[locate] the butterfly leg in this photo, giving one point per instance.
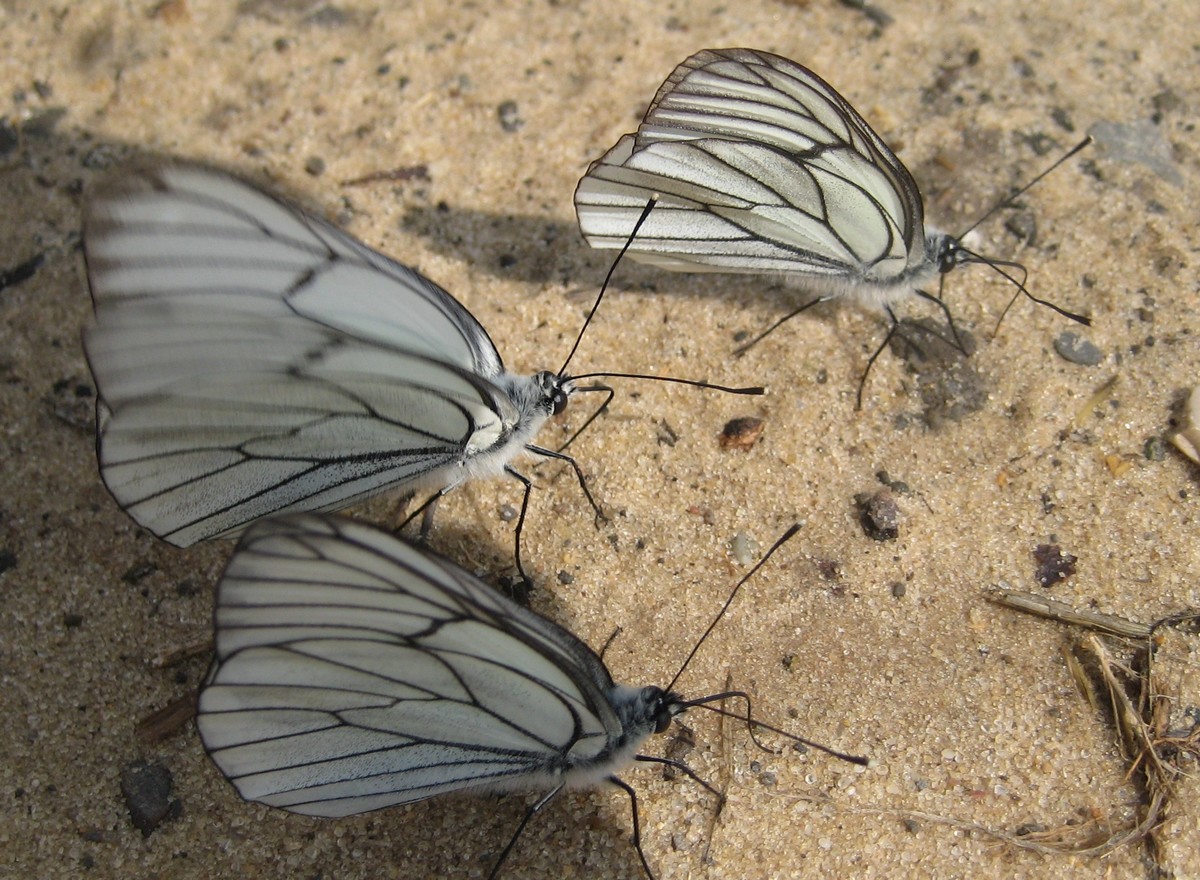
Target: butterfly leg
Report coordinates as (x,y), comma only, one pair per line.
(529,814)
(940,303)
(893,325)
(588,421)
(637,825)
(427,510)
(521,524)
(550,453)
(686,771)
(742,349)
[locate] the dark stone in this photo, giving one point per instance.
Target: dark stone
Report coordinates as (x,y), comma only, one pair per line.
(147,791)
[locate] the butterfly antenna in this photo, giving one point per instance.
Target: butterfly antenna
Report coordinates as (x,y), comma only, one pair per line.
(595,415)
(752,723)
(999,266)
(607,278)
(1020,191)
(753,390)
(783,539)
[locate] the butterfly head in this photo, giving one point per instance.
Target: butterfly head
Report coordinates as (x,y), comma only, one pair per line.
(555,389)
(645,710)
(946,251)
(660,707)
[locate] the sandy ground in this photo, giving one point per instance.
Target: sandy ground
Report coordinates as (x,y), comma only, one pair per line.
(967,708)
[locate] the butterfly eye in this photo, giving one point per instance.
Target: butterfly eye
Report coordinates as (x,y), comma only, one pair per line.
(949,254)
(662,721)
(554,391)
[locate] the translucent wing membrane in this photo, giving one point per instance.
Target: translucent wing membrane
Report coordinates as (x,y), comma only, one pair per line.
(761,166)
(354,672)
(251,358)
(246,416)
(180,234)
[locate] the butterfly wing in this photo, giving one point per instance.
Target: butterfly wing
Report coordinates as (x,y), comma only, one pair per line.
(760,166)
(184,233)
(210,420)
(250,359)
(354,672)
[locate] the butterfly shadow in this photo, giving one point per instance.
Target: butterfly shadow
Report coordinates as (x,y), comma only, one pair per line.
(463,835)
(535,250)
(541,250)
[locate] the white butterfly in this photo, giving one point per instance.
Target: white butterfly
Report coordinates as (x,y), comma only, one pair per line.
(250,358)
(760,166)
(354,671)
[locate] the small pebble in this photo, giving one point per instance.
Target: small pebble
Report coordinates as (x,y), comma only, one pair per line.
(879,515)
(509,116)
(1023,226)
(741,433)
(1074,348)
(147,791)
(1053,565)
(565,578)
(744,548)
(829,569)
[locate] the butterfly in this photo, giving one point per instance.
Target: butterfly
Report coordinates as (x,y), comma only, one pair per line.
(251,358)
(355,671)
(759,165)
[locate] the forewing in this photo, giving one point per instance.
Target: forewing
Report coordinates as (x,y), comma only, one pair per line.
(211,418)
(183,231)
(355,672)
(761,166)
